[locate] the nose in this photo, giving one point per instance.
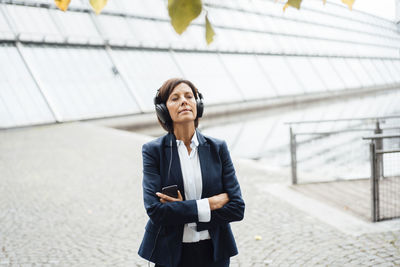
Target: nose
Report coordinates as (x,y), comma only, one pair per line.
(183,100)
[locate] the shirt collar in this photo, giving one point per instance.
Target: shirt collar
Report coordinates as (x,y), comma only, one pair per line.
(193,143)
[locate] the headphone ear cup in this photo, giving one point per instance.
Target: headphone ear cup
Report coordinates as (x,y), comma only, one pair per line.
(163,113)
(199,106)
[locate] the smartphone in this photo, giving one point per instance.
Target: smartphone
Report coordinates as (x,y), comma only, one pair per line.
(171,191)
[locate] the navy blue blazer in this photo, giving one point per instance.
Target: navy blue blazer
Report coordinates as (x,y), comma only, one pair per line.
(166,221)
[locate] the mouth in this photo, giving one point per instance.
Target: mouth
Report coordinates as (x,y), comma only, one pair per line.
(185,110)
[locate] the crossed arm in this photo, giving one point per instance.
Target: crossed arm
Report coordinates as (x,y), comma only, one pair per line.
(165,210)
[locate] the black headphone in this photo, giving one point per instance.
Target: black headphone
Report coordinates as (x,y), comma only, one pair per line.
(162,111)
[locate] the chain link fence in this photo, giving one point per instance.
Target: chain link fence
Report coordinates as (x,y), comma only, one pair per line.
(333,150)
(385,176)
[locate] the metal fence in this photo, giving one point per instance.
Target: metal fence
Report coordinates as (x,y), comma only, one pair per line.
(385,176)
(340,150)
(332,150)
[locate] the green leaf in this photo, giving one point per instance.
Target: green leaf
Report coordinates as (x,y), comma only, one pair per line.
(209,31)
(98,5)
(293,3)
(62,4)
(182,12)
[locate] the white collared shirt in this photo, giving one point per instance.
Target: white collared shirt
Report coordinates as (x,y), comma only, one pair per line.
(193,185)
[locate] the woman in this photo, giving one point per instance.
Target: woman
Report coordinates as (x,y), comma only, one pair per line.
(193,228)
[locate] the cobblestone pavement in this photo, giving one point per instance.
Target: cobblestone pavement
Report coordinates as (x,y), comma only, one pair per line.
(70,195)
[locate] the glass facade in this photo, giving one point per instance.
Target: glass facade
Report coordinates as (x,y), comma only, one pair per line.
(21,101)
(265,136)
(77,65)
(145,71)
(80,82)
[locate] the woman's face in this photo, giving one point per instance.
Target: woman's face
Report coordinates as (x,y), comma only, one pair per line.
(181,104)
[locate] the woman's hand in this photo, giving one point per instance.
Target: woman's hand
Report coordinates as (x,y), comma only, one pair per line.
(218,201)
(164,198)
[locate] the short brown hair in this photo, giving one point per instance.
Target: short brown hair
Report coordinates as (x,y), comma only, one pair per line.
(164,93)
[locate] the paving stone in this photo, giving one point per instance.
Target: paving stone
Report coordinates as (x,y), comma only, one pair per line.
(71,196)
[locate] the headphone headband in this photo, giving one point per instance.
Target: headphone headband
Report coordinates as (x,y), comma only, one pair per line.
(162,110)
(157,99)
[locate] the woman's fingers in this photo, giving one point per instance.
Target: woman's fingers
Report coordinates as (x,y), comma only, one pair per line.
(224,198)
(180,196)
(225,195)
(164,197)
(218,201)
(167,198)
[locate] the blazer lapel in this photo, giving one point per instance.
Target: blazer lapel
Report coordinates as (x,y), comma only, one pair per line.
(175,175)
(204,157)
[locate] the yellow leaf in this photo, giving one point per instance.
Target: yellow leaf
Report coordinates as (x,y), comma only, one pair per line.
(349,3)
(285,6)
(182,12)
(209,31)
(293,3)
(62,4)
(98,5)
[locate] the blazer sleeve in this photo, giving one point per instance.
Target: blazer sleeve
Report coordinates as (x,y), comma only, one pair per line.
(171,213)
(234,209)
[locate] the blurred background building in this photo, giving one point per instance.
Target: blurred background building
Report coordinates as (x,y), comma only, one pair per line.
(337,68)
(302,96)
(397,14)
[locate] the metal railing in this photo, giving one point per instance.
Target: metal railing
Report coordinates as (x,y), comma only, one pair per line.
(385,176)
(353,125)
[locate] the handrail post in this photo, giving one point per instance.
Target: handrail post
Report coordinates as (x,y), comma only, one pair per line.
(374,183)
(293,159)
(379,146)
